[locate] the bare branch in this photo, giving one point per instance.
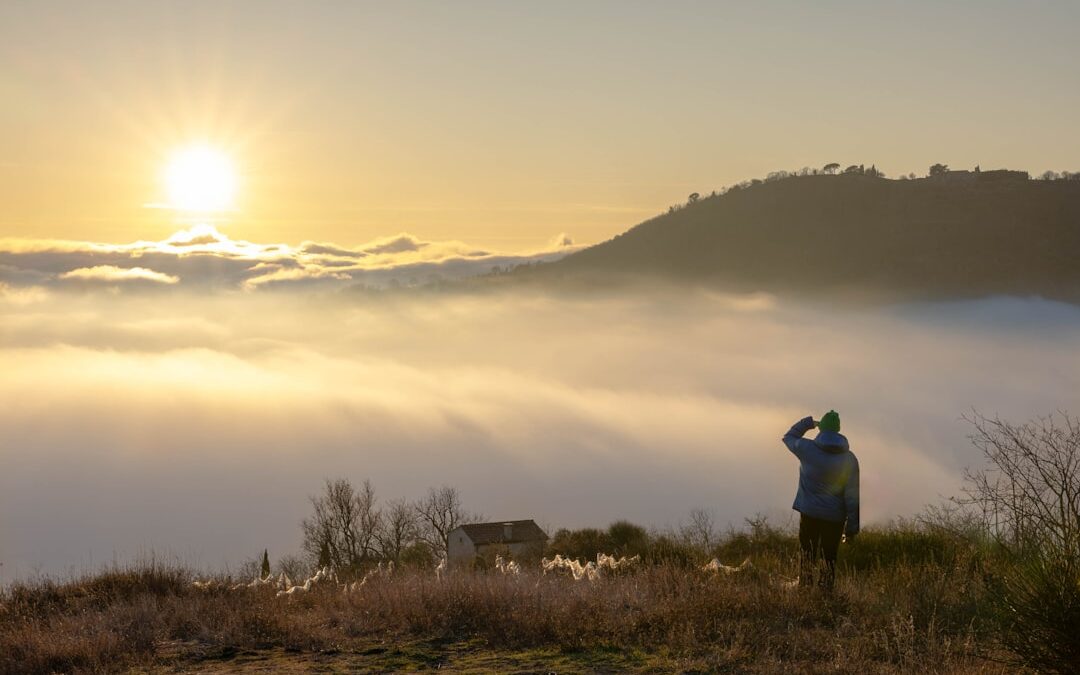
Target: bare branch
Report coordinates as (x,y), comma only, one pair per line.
(1029,494)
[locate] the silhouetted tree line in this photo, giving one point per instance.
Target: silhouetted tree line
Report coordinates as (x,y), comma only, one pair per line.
(348,529)
(690,544)
(833,168)
(828,170)
(1060,175)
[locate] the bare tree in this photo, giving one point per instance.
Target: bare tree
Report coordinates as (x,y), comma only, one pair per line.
(438,514)
(701,530)
(1029,501)
(294,566)
(398,529)
(1029,496)
(249,569)
(344,524)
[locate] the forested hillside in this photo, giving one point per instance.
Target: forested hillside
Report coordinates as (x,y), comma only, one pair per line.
(957,234)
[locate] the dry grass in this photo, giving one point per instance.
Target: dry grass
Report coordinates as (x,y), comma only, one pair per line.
(905,617)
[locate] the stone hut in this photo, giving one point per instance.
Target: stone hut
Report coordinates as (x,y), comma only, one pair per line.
(520,540)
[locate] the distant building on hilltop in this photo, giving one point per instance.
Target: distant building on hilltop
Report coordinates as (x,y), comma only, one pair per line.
(515,539)
(1003,174)
(957,176)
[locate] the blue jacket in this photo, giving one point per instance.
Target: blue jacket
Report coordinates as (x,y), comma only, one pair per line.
(828,476)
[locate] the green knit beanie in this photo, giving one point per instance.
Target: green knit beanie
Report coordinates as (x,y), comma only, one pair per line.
(830,421)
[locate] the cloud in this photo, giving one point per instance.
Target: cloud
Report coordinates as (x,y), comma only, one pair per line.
(225,411)
(112,273)
(22,295)
(204,257)
(561,240)
(315,248)
(200,235)
(279,275)
(399,244)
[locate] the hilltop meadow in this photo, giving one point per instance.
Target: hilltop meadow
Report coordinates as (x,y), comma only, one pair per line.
(985,583)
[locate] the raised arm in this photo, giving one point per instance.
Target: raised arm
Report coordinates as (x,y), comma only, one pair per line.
(794,440)
(851,499)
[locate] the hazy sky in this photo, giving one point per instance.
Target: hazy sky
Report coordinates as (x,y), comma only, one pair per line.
(503,123)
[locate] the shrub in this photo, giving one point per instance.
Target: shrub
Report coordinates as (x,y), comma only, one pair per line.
(761,540)
(900,543)
(1040,599)
(666,550)
(627,538)
(581,544)
(1029,496)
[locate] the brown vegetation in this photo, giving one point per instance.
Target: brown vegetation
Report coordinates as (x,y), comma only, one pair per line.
(903,614)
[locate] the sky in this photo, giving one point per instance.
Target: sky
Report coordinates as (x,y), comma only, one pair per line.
(499,124)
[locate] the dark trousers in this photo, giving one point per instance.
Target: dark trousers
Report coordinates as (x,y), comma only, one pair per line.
(819,540)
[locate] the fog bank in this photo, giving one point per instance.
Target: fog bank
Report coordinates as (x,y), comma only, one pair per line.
(197,425)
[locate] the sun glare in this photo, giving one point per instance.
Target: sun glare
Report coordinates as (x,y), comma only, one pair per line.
(200,178)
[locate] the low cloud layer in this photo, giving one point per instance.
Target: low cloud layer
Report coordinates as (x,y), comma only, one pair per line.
(204,257)
(197,425)
(112,273)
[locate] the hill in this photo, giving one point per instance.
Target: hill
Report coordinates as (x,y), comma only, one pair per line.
(961,234)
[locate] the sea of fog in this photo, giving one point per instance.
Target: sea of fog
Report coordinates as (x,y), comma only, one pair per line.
(196,426)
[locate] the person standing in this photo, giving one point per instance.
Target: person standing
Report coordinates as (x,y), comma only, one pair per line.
(828,495)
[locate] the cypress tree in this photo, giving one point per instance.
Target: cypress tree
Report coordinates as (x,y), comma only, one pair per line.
(265,564)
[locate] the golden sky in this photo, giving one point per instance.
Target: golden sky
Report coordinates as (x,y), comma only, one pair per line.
(503,124)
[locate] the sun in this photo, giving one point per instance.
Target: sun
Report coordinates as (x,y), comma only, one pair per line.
(200,178)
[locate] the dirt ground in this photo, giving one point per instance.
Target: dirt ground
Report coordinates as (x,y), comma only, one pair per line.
(472,657)
(417,656)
